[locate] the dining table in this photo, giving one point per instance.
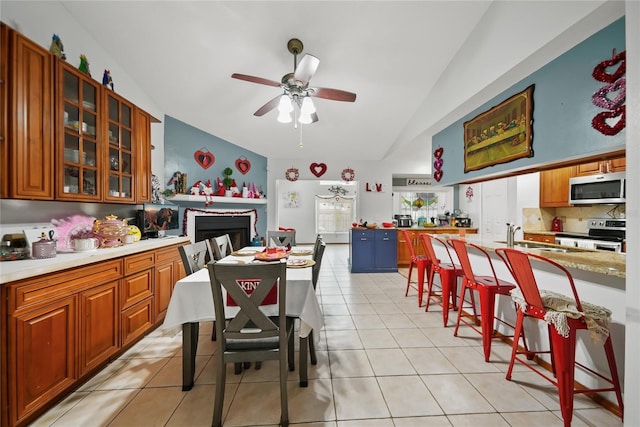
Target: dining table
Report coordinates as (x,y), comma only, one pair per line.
(192,302)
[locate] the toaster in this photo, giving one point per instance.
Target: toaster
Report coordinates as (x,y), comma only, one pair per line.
(463,222)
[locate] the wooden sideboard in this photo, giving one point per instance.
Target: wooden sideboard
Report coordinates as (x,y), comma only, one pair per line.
(62,327)
(404,257)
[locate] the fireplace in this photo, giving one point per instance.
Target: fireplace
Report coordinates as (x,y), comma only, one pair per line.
(240,225)
(237,227)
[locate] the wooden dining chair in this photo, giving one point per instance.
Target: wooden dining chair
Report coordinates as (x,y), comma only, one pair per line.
(221,246)
(308,341)
(281,238)
(250,335)
(195,256)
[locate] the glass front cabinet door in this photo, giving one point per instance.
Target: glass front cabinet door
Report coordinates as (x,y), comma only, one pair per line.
(119,150)
(78,142)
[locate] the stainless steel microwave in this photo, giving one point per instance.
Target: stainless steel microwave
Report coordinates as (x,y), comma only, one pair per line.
(608,188)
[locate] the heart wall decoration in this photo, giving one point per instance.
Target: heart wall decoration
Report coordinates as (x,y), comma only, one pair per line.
(318,169)
(437,164)
(243,165)
(204,158)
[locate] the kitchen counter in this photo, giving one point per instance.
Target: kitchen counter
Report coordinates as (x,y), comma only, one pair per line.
(11,271)
(594,261)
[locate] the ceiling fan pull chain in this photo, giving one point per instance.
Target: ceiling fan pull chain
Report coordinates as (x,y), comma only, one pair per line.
(300,144)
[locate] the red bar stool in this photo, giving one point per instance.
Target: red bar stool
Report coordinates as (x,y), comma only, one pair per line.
(536,303)
(448,271)
(488,288)
(420,261)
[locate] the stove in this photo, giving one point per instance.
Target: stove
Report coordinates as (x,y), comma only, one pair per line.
(604,234)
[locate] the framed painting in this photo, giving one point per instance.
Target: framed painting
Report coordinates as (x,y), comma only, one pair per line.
(500,135)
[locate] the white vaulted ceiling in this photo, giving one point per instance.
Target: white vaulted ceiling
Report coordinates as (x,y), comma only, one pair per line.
(411,63)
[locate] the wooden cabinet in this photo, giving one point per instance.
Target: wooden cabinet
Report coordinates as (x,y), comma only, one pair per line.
(119,152)
(43,360)
(4,112)
(80,142)
(554,187)
(28,97)
(142,178)
(404,256)
(99,322)
(136,296)
(169,270)
(79,147)
(605,166)
(544,238)
(59,328)
(373,251)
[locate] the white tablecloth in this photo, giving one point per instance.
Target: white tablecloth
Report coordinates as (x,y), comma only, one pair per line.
(192,301)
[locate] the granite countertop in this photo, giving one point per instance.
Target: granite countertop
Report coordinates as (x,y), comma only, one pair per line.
(595,261)
(11,271)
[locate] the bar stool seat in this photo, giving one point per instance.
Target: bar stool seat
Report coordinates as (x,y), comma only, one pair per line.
(421,262)
(564,317)
(488,288)
(449,271)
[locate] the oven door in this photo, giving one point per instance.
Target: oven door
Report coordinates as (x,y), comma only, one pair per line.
(608,246)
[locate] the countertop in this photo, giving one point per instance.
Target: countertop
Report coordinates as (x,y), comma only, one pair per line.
(10,271)
(602,262)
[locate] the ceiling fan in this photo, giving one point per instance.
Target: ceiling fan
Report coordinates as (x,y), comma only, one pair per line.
(296,89)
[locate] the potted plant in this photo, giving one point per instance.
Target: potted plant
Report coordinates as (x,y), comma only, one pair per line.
(227,181)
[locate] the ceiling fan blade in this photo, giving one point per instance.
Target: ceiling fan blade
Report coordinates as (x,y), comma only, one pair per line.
(306,68)
(268,106)
(333,94)
(254,79)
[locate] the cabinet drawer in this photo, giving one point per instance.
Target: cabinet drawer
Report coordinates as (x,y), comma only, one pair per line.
(136,288)
(33,291)
(136,320)
(169,254)
(139,262)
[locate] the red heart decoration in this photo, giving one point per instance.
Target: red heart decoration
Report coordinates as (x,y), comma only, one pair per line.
(437,175)
(601,97)
(438,153)
(599,122)
(243,165)
(437,165)
(204,158)
(600,71)
(318,169)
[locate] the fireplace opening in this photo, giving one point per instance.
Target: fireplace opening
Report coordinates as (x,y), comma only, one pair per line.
(237,227)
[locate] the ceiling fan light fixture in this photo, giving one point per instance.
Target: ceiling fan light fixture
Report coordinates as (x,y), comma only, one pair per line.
(285,106)
(307,106)
(305,119)
(284,117)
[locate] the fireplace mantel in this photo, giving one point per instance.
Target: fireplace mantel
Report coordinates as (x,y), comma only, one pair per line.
(216,199)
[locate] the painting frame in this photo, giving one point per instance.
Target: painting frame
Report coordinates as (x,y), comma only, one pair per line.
(501,134)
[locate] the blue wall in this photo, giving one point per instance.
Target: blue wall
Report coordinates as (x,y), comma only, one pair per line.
(182,141)
(562,111)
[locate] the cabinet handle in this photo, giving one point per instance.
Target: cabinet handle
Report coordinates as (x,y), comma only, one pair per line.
(385,238)
(363,239)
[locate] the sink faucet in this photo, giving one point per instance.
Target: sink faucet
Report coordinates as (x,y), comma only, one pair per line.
(511,232)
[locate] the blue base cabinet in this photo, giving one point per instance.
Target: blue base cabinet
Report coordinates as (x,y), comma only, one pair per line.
(373,251)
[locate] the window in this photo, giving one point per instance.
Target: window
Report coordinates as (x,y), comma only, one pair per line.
(334,214)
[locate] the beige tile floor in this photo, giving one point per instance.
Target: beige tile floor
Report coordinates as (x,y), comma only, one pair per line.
(382,361)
